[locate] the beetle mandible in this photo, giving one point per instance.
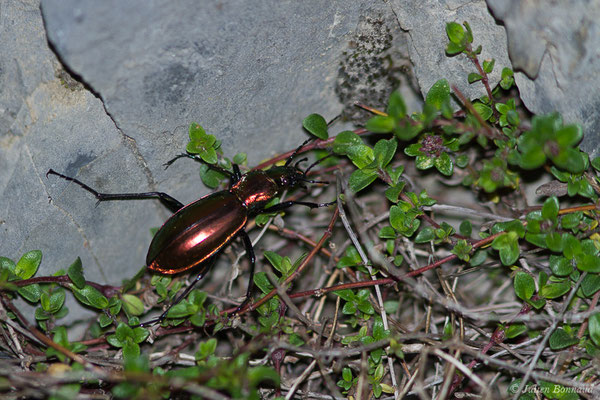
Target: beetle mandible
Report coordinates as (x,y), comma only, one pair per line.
(193,235)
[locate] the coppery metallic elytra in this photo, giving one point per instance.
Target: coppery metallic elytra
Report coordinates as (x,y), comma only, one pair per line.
(195,233)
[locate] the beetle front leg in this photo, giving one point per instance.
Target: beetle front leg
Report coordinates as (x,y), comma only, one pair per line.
(205,268)
(170,202)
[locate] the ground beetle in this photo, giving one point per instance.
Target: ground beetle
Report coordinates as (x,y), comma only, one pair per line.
(195,233)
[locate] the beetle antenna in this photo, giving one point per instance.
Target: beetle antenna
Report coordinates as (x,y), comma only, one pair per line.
(312,181)
(334,119)
(290,158)
(315,163)
(299,161)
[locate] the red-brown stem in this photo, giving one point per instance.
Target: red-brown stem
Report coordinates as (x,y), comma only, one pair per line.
(317,144)
(490,133)
(106,290)
(484,78)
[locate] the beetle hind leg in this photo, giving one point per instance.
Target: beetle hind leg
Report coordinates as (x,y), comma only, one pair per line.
(170,202)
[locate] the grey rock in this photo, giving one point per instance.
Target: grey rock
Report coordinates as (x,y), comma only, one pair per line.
(249,72)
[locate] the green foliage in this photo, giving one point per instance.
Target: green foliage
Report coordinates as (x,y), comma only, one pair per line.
(316,125)
(128,339)
(549,138)
(203,144)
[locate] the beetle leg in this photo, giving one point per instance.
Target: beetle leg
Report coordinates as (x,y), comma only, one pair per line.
(288,204)
(252,258)
(205,269)
(170,202)
(237,175)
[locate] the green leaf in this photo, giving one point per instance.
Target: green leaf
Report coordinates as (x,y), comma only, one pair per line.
(590,284)
(275,259)
(474,77)
(462,161)
(346,294)
(344,140)
(366,307)
(28,264)
(131,350)
(507,78)
(533,158)
(465,228)
(262,282)
(140,334)
(425,235)
(588,263)
(387,232)
(316,125)
(554,290)
(206,349)
(488,66)
(508,247)
(515,226)
(515,330)
(453,48)
(560,266)
(483,110)
(560,339)
(396,107)
(7,264)
(455,32)
(361,155)
(569,135)
(196,132)
(240,158)
(404,222)
(550,208)
(393,193)
(407,131)
(424,162)
(594,328)
(75,273)
(210,177)
(554,242)
(347,374)
(478,258)
(90,296)
(524,285)
(133,305)
(381,124)
(361,178)
(462,250)
(572,246)
(31,293)
(384,151)
(439,93)
(56,301)
(444,164)
(596,163)
(572,220)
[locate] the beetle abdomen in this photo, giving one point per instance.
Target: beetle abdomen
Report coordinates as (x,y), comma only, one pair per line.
(196,232)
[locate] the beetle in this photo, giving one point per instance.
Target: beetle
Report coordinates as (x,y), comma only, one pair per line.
(196,232)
